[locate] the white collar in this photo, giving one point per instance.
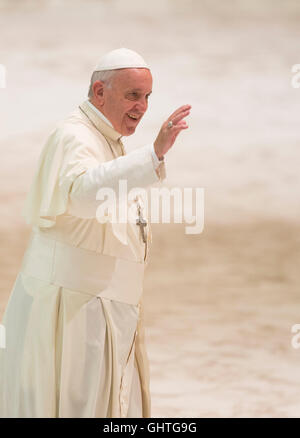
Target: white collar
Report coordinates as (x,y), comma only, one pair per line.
(99,113)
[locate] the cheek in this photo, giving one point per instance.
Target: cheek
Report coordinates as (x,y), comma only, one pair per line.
(127,108)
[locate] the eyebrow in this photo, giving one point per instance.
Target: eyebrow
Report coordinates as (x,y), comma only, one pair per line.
(137,90)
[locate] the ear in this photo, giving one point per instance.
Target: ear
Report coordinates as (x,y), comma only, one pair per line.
(98,90)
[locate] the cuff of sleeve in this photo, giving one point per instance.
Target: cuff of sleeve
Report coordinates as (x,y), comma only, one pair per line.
(156,160)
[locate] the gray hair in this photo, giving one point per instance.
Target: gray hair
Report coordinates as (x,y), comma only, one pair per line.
(104,76)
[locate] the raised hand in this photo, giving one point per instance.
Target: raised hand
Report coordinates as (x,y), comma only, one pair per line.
(170,129)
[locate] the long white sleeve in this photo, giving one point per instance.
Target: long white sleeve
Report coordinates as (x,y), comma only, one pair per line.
(156,160)
(136,168)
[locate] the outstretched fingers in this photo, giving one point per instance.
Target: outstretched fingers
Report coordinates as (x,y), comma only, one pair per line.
(179,111)
(169,131)
(181,124)
(176,129)
(180,116)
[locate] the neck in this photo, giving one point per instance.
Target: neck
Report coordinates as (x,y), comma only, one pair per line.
(96,105)
(100,110)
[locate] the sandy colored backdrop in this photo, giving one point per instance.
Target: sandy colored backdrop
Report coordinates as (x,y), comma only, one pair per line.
(220,305)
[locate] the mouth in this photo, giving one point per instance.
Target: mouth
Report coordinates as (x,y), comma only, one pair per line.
(133,117)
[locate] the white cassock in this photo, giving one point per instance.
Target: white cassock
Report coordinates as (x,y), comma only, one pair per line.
(74,320)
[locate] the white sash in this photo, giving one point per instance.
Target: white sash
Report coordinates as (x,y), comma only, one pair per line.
(83,270)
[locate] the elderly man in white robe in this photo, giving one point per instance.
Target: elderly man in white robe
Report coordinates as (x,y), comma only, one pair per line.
(74,320)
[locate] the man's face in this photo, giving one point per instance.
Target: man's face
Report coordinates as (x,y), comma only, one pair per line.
(126,101)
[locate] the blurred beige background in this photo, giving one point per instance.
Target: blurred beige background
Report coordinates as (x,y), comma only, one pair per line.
(221,304)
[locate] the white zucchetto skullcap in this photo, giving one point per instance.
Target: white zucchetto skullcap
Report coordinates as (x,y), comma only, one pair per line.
(121,58)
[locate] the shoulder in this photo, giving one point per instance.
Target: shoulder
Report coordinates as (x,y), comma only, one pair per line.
(76,130)
(78,125)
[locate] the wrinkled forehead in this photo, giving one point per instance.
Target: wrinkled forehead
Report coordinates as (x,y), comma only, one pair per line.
(132,78)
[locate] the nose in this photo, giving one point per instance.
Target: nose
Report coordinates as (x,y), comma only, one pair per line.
(142,105)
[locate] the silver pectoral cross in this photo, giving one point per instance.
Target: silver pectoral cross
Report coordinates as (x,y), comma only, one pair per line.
(142,223)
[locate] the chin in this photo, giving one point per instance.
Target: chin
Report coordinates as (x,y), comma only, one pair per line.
(129,131)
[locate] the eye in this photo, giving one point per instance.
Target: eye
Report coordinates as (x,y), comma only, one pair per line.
(133,95)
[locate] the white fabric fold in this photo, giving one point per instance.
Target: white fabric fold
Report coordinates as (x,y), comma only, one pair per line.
(72,168)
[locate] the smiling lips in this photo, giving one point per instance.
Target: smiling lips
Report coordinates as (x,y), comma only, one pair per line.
(133,116)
